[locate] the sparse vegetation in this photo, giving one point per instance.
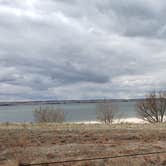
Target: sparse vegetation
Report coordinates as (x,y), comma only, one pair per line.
(153,108)
(49,114)
(48,142)
(10,163)
(105,112)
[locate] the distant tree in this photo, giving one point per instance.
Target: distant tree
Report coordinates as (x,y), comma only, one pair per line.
(105,112)
(49,114)
(153,108)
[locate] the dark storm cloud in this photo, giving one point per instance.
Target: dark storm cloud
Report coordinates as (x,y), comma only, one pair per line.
(81,49)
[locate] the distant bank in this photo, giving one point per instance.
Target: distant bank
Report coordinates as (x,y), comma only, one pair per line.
(65,101)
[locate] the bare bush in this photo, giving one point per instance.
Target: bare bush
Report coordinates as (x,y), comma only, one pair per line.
(49,114)
(105,112)
(153,108)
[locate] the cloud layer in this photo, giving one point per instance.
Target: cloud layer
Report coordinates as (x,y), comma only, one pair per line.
(60,49)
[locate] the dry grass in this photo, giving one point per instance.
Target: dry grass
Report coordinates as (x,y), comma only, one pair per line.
(50,142)
(9,163)
(73,126)
(151,161)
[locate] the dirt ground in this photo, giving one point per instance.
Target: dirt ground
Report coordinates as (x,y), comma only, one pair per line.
(40,143)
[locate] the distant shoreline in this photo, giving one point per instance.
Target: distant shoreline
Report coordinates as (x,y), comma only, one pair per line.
(65,101)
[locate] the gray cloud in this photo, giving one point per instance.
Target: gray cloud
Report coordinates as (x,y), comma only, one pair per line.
(81,49)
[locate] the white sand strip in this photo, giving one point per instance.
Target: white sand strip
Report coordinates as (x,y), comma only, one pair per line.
(122,120)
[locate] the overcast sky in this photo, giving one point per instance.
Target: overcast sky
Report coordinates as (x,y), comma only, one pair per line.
(81,49)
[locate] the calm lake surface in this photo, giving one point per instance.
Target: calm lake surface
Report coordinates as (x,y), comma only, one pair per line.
(74,112)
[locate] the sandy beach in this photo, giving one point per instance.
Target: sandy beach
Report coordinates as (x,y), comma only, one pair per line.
(115,121)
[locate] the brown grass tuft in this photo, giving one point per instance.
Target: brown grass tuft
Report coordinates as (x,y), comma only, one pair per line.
(10,163)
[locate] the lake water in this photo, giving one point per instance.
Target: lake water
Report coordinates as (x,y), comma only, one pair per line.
(74,112)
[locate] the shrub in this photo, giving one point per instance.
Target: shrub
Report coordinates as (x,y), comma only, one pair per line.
(153,108)
(105,112)
(49,114)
